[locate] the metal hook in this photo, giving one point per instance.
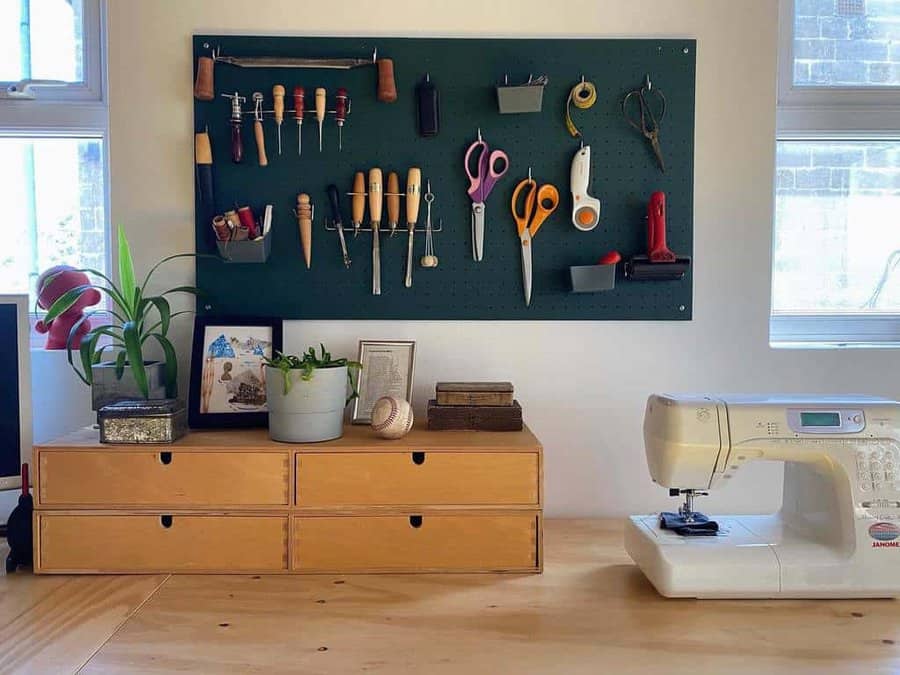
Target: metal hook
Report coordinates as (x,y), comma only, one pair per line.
(648,85)
(529,173)
(479,134)
(375,55)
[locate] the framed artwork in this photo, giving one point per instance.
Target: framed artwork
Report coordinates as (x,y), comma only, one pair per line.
(387,370)
(228,378)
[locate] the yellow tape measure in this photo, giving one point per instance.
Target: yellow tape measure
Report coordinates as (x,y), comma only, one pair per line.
(583,95)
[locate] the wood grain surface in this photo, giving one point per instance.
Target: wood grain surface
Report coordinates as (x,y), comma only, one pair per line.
(592,611)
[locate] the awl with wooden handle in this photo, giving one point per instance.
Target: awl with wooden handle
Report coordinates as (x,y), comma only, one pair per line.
(376,191)
(320,111)
(278,106)
(358,202)
(258,129)
(304,220)
(413,195)
(340,114)
(393,201)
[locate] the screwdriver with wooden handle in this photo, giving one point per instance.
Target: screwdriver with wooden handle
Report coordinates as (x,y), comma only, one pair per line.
(298,115)
(376,191)
(358,202)
(278,105)
(304,221)
(340,114)
(413,194)
(320,111)
(393,201)
(258,129)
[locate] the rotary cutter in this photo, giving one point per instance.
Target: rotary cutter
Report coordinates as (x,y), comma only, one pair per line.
(585,209)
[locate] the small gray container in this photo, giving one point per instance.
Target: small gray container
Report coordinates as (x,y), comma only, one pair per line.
(524,98)
(592,278)
(154,421)
(246,251)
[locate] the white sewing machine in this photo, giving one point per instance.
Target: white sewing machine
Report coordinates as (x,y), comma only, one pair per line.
(837,534)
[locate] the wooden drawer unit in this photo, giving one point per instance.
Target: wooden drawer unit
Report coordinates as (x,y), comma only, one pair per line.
(88,479)
(419,477)
(428,542)
(120,543)
(236,502)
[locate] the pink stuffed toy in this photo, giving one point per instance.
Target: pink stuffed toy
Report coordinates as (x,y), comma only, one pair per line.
(51,285)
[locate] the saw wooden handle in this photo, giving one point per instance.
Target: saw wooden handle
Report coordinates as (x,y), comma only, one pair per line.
(358,199)
(204,89)
(393,199)
(304,220)
(260,143)
(413,195)
(387,88)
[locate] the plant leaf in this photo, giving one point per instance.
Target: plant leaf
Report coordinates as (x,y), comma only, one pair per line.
(135,356)
(120,364)
(173,257)
(127,283)
(152,328)
(164,309)
(171,364)
(88,344)
(65,301)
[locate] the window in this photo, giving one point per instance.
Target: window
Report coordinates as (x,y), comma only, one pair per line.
(836,242)
(53,125)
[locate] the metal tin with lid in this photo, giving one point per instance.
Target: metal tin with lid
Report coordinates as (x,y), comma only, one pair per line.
(153,421)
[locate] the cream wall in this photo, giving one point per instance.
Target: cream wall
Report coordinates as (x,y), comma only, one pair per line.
(587,409)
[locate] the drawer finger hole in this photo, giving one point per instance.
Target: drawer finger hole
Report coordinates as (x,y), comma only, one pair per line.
(165,458)
(418,457)
(165,521)
(415,521)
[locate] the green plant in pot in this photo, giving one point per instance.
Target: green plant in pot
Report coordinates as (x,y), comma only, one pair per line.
(306,395)
(112,356)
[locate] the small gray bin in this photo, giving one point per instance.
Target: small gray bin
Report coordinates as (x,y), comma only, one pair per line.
(524,98)
(592,278)
(246,251)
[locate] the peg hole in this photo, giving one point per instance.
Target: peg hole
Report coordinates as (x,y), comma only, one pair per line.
(165,458)
(415,521)
(418,457)
(165,521)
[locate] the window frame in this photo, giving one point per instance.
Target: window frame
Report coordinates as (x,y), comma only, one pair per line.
(822,113)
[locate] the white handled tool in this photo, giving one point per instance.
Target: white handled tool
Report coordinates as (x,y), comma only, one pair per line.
(585,209)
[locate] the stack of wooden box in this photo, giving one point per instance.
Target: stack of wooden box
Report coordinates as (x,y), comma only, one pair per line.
(476,406)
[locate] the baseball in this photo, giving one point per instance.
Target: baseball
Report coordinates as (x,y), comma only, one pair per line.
(392,417)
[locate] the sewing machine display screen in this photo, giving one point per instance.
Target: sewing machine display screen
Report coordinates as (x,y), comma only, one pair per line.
(820,419)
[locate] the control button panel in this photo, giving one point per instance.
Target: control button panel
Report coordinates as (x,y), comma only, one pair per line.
(826,420)
(878,467)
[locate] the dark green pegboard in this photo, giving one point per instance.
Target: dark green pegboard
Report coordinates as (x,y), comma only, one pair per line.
(623,175)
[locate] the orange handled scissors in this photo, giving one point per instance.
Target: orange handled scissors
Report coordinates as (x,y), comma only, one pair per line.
(540,202)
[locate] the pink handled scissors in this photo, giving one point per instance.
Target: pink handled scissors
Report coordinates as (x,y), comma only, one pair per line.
(480,185)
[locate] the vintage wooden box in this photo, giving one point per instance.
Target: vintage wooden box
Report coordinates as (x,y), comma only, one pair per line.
(237,502)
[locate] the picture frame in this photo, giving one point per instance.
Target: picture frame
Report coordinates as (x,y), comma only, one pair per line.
(227,374)
(387,370)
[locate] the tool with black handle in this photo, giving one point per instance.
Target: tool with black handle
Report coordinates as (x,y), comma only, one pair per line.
(334,201)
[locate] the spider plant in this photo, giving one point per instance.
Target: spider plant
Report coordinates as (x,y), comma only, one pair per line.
(134,319)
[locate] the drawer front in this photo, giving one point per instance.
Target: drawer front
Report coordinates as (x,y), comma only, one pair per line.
(427,543)
(154,543)
(432,478)
(163,478)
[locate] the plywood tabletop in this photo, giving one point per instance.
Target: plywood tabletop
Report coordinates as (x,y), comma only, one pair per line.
(356,438)
(591,611)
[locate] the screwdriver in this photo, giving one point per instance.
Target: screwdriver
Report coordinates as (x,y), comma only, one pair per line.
(340,113)
(258,129)
(298,115)
(278,97)
(320,111)
(413,193)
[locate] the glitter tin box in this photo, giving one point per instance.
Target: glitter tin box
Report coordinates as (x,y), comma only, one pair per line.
(155,421)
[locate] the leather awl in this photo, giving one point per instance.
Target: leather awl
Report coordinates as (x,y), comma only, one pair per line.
(660,263)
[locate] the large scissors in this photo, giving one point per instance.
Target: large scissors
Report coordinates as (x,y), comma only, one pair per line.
(540,202)
(648,121)
(480,185)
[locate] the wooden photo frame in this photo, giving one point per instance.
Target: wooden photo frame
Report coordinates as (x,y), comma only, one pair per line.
(387,370)
(228,384)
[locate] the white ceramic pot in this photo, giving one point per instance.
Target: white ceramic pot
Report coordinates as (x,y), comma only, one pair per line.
(312,411)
